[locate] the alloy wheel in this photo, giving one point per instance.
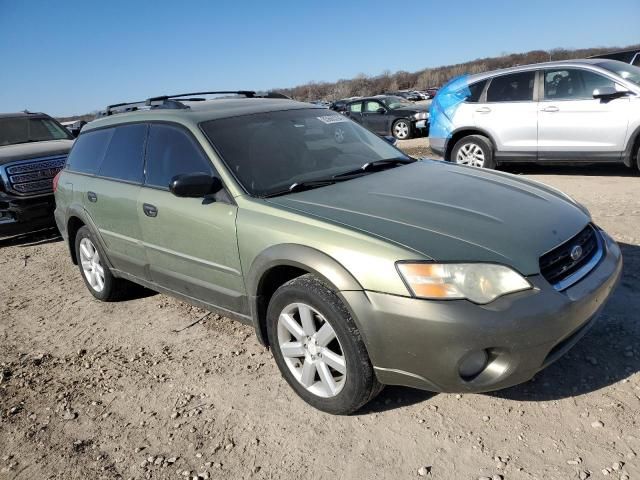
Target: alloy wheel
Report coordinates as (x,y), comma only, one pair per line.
(311,350)
(470,154)
(91,266)
(401,130)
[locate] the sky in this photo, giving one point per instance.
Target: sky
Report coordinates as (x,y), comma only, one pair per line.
(76,56)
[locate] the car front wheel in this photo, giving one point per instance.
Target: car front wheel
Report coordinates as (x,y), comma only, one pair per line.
(473,150)
(401,129)
(318,347)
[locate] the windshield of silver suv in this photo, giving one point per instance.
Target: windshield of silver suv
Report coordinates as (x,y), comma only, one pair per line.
(628,72)
(272,153)
(15,130)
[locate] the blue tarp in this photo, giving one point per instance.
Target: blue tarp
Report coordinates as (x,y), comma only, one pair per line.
(445,104)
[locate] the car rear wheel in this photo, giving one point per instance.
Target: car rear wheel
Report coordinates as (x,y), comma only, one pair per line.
(318,347)
(474,151)
(95,273)
(401,129)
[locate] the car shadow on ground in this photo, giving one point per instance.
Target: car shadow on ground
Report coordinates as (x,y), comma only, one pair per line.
(32,239)
(608,354)
(589,170)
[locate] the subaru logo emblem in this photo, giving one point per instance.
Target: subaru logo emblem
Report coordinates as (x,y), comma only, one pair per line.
(576,252)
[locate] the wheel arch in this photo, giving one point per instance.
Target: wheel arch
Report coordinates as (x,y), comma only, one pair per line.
(78,217)
(632,149)
(280,263)
(464,132)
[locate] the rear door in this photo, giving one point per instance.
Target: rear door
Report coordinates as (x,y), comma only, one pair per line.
(354,111)
(375,118)
(510,115)
(190,242)
(572,125)
(112,160)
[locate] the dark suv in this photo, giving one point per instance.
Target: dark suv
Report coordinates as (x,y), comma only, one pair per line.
(33,149)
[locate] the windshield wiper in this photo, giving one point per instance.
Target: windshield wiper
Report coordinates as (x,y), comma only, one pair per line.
(300,186)
(377,165)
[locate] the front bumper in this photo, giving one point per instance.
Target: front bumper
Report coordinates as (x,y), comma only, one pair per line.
(421,343)
(21,215)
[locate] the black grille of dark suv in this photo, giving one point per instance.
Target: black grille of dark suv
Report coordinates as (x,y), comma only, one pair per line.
(35,176)
(558,264)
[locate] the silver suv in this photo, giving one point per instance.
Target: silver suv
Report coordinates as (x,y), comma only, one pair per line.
(570,111)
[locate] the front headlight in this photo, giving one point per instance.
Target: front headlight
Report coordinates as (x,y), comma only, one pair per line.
(420,116)
(477,282)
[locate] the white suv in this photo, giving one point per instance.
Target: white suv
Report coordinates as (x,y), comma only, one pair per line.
(571,111)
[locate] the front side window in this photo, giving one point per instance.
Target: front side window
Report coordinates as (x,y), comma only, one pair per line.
(170,152)
(372,106)
(14,130)
(88,151)
(515,87)
(573,84)
(268,152)
(124,157)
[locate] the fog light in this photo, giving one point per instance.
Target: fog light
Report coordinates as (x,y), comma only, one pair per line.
(473,363)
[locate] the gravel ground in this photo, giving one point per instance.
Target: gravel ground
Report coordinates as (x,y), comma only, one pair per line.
(154,388)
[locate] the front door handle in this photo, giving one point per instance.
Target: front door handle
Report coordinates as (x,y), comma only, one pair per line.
(551,109)
(92,197)
(150,210)
(483,110)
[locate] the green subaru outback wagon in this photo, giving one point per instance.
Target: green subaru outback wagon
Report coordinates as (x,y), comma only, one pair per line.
(357,265)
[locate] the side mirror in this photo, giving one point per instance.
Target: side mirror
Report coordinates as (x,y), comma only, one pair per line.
(381,110)
(608,93)
(195,185)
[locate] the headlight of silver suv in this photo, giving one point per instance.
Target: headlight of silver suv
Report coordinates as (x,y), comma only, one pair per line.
(478,282)
(420,116)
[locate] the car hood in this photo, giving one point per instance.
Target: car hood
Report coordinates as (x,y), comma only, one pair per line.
(450,213)
(26,151)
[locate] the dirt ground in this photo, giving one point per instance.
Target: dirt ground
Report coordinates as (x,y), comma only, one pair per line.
(153,388)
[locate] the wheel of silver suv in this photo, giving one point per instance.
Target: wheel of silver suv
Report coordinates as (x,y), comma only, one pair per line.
(317,347)
(474,151)
(470,154)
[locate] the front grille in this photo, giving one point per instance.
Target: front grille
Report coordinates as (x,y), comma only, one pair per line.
(558,266)
(35,176)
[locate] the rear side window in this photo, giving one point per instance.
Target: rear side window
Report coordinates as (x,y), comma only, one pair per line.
(476,91)
(124,157)
(356,107)
(170,152)
(88,151)
(515,87)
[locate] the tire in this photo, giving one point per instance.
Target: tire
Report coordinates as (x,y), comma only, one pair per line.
(401,129)
(350,388)
(103,285)
(638,159)
(474,151)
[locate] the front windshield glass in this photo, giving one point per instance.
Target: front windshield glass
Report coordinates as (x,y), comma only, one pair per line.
(15,130)
(396,102)
(268,152)
(628,72)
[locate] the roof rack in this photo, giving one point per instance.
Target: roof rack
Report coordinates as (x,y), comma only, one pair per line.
(175,101)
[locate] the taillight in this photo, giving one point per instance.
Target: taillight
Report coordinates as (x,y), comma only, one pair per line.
(55,181)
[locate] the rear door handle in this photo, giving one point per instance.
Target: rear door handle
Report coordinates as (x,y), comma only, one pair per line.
(551,109)
(483,110)
(149,210)
(92,197)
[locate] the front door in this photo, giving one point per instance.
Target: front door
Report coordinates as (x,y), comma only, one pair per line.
(190,243)
(374,117)
(510,116)
(572,125)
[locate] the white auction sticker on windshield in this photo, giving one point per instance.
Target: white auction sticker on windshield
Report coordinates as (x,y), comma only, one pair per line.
(329,119)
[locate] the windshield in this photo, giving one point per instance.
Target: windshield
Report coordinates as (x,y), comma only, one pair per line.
(396,102)
(268,152)
(27,129)
(628,72)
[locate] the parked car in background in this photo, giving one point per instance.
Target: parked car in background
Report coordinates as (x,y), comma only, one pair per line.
(431,92)
(74,126)
(33,149)
(627,56)
(356,264)
(569,111)
(411,96)
(389,115)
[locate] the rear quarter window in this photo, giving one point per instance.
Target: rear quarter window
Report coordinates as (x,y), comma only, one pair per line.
(89,150)
(476,90)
